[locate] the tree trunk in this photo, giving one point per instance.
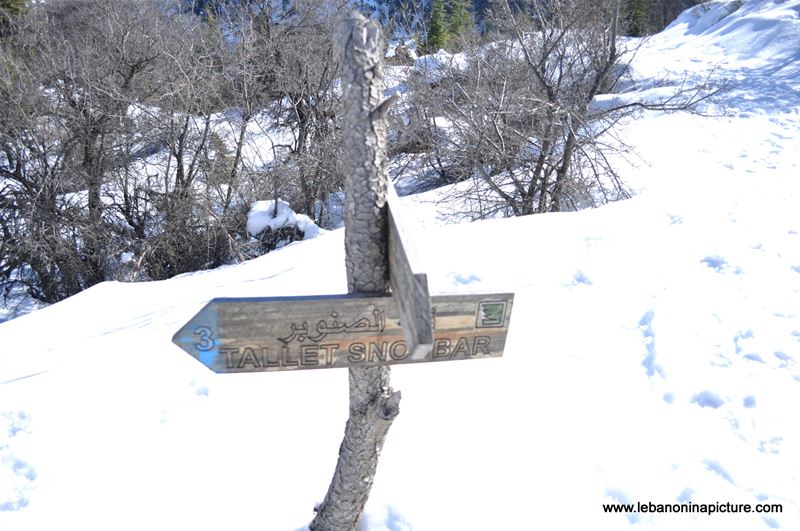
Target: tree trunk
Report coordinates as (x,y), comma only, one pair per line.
(237,158)
(373,404)
(561,174)
(93,234)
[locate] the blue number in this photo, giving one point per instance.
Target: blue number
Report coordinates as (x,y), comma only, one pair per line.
(206,338)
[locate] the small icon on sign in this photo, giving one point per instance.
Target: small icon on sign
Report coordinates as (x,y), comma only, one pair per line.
(491,314)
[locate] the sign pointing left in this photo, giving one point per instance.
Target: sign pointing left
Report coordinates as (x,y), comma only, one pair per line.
(272,334)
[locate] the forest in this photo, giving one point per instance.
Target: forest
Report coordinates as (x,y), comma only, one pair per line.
(135,136)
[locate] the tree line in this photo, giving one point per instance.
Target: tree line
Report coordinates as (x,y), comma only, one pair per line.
(444,22)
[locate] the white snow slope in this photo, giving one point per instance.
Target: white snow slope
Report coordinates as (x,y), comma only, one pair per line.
(653,356)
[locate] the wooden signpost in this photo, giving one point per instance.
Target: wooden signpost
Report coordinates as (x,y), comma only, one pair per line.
(292,333)
(363,331)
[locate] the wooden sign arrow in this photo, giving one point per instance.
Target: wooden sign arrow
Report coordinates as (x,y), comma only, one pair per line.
(291,333)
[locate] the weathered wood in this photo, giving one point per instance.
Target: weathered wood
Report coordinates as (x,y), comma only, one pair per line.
(409,282)
(373,403)
(293,333)
(365,159)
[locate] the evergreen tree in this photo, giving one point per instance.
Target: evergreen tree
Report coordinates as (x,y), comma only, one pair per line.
(8,10)
(437,27)
(638,15)
(13,7)
(460,19)
(205,9)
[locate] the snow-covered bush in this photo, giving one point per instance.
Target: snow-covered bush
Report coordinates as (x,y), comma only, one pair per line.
(273,224)
(404,53)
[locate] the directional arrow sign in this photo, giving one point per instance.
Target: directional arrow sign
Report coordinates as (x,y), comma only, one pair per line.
(290,333)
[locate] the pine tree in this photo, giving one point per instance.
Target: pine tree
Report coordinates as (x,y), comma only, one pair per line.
(13,7)
(460,20)
(8,10)
(638,15)
(437,27)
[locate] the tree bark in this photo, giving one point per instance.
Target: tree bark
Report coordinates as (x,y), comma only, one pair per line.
(561,174)
(373,404)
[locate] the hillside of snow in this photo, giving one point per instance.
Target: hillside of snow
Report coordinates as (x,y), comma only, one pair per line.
(653,353)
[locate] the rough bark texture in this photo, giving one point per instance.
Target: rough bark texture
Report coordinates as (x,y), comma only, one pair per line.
(373,404)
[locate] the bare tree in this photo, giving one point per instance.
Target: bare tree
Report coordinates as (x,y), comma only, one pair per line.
(521,120)
(305,77)
(83,63)
(114,137)
(189,95)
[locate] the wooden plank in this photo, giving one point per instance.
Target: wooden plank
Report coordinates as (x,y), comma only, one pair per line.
(408,281)
(292,333)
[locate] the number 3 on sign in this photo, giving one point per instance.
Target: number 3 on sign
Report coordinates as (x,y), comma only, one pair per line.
(206,338)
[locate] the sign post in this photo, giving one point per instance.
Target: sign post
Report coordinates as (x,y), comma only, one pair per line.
(370,328)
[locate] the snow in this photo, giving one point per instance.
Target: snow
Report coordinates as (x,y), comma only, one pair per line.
(703,17)
(653,354)
(409,47)
(265,215)
(435,66)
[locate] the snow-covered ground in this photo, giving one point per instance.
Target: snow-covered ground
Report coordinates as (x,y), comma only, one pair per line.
(653,355)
